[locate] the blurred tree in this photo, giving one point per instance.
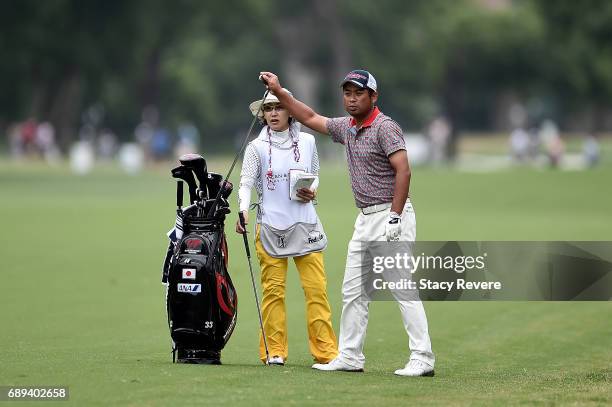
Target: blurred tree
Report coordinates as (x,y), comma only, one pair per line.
(577,61)
(69,54)
(197,60)
(60,51)
(450,58)
(487,52)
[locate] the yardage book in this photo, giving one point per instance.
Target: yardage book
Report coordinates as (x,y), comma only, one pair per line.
(299,179)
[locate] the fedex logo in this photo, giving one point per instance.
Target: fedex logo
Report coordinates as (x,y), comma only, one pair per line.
(189,288)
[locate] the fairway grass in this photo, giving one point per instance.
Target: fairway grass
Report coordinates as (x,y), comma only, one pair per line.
(82,305)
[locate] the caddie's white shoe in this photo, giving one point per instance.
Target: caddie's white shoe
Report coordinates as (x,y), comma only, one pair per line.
(415,368)
(337,365)
(276,360)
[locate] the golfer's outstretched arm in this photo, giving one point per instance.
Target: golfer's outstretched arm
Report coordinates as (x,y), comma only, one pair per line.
(300,111)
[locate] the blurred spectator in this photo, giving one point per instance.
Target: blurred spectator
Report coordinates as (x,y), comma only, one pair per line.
(535,142)
(15,143)
(81,157)
(28,136)
(519,145)
(30,139)
(161,144)
(87,133)
(548,131)
(45,136)
(145,130)
(554,145)
(439,132)
(45,142)
(591,150)
(143,135)
(107,145)
(188,139)
(131,158)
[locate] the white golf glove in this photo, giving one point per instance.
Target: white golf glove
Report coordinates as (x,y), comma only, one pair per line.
(393,228)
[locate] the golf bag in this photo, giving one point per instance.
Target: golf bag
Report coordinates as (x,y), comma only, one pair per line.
(201,301)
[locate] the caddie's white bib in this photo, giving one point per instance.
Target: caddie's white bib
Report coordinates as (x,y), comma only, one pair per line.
(277,210)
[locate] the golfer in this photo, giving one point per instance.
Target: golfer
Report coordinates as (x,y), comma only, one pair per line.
(380,179)
(286,228)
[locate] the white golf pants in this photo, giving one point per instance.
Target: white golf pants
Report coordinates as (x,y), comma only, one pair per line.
(354,319)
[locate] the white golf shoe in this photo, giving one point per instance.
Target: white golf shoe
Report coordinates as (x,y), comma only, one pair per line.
(415,368)
(276,360)
(336,365)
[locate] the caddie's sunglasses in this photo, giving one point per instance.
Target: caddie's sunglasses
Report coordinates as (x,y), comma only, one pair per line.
(269,107)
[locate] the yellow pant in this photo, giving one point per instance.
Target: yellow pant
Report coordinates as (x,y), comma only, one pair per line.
(321,337)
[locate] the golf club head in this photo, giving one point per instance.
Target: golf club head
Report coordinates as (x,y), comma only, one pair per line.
(215,181)
(186,175)
(197,163)
(190,210)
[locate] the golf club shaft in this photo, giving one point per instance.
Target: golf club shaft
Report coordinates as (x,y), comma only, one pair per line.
(248,251)
(186,174)
(211,211)
(179,195)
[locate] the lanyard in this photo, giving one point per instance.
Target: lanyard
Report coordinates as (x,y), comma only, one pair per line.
(296,156)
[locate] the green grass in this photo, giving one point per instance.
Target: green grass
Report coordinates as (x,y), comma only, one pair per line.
(82,306)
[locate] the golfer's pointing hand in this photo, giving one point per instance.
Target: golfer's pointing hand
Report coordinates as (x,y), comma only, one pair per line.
(271,81)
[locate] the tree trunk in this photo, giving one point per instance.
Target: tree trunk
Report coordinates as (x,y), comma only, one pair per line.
(40,94)
(297,45)
(149,88)
(65,108)
(341,56)
(453,100)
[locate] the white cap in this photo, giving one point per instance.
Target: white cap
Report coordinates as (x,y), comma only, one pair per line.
(270,98)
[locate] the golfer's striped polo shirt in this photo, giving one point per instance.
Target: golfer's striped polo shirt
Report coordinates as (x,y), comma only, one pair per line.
(367,154)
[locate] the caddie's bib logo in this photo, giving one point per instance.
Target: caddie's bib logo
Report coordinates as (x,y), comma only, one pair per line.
(314,236)
(280,242)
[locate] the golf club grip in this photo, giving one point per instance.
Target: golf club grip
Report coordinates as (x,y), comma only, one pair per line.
(179,193)
(193,196)
(244,235)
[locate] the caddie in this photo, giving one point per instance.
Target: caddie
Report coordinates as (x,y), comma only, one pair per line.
(380,180)
(286,228)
